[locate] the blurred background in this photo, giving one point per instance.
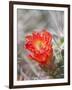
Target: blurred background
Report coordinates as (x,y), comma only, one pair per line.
(29,20)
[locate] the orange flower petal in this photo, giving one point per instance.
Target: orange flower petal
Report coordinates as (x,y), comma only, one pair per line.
(40,45)
(29,37)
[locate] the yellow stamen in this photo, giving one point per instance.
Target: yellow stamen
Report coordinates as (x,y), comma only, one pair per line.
(39,45)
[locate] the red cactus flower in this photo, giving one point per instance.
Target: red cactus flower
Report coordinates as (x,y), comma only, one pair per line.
(40,46)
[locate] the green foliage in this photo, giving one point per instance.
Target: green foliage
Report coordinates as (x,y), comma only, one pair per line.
(62,40)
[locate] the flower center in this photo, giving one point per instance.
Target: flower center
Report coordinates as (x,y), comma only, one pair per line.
(39,45)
